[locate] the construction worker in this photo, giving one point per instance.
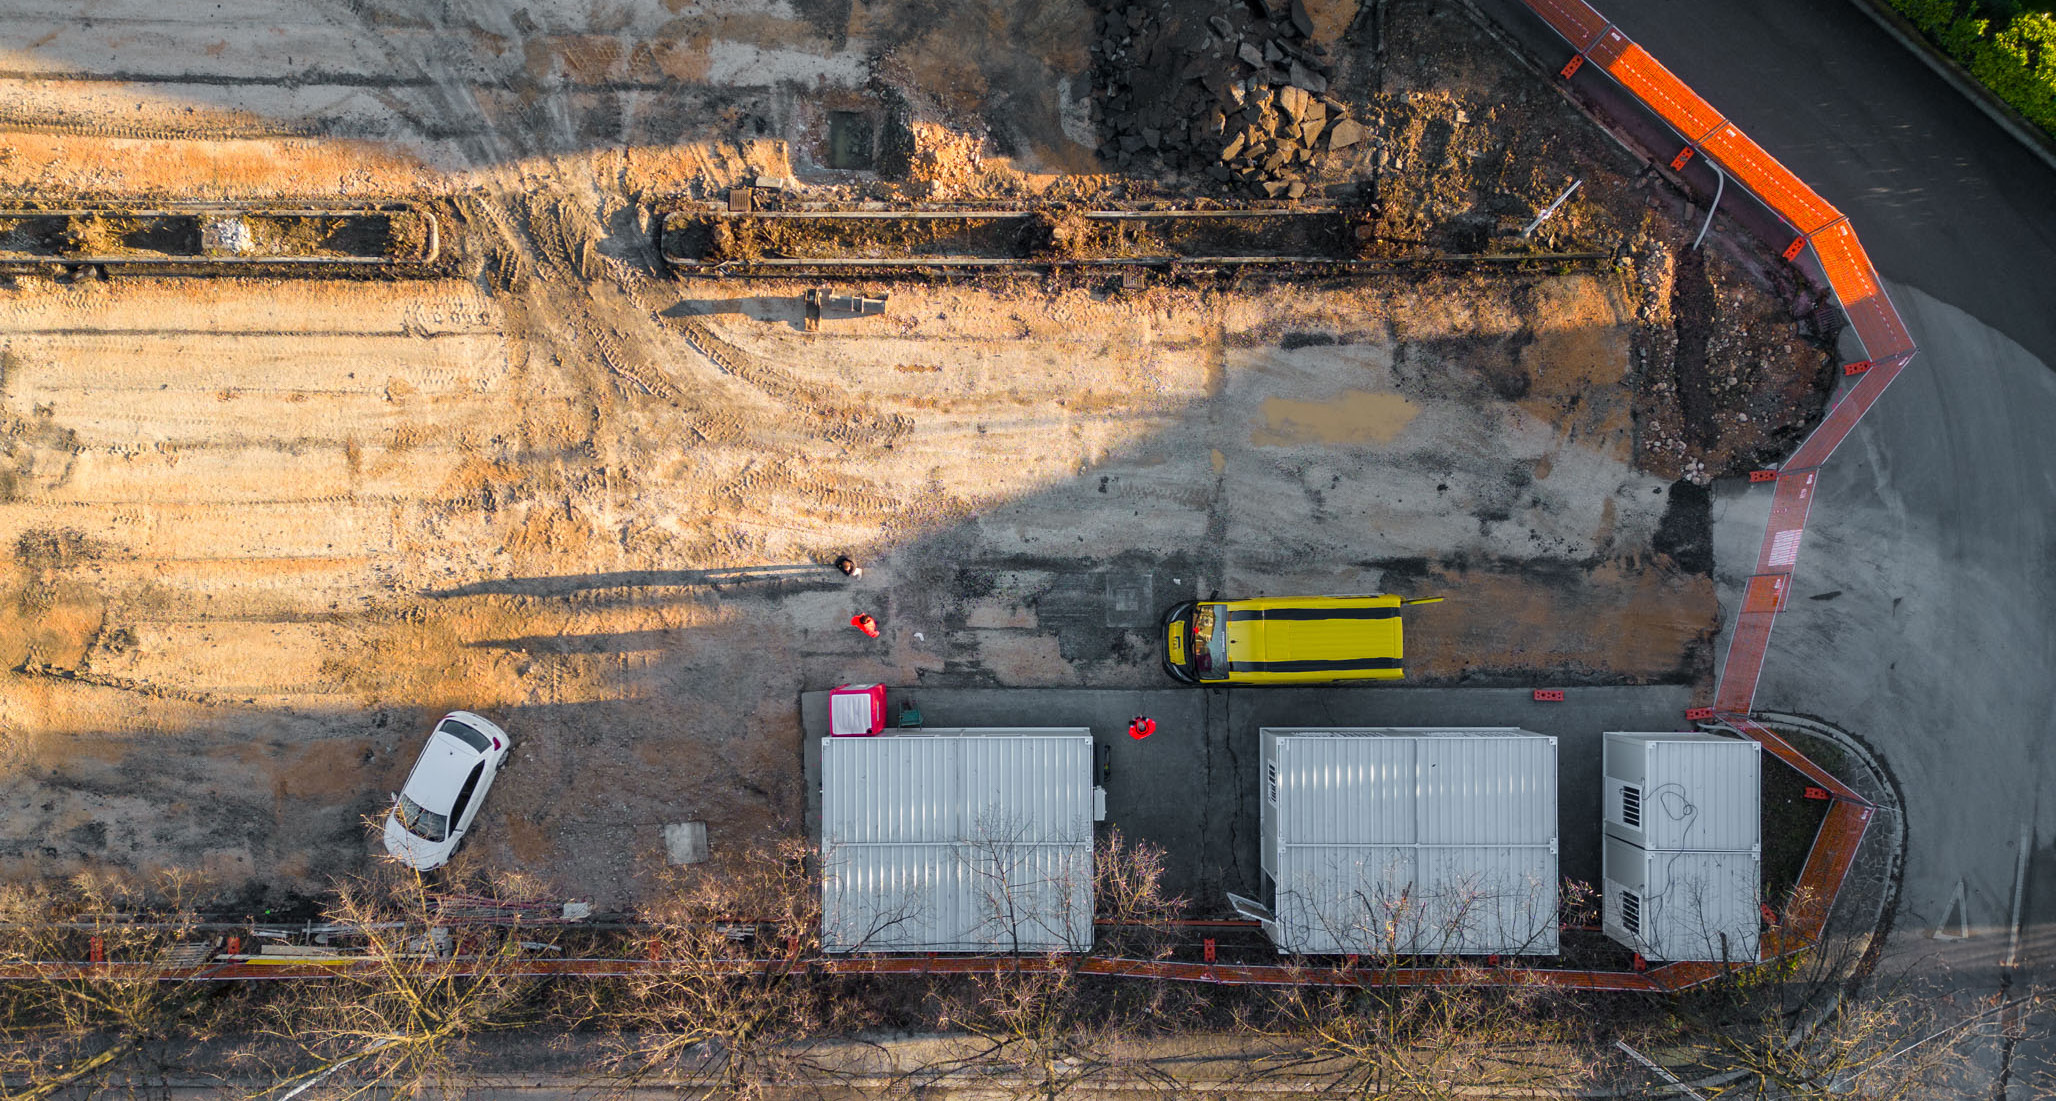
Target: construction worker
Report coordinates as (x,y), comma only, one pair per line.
(1140,727)
(849,566)
(863,622)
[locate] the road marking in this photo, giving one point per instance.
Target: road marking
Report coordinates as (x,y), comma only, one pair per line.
(1961,909)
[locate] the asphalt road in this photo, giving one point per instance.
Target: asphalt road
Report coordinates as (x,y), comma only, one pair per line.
(1924,616)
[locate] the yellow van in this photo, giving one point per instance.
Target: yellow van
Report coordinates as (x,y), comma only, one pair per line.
(1285,639)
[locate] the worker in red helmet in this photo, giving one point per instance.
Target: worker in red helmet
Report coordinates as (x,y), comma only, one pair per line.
(1141,726)
(863,622)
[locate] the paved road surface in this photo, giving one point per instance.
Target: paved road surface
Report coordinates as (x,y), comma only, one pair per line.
(1932,540)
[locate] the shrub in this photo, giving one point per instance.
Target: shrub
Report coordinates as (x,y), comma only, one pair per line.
(2017,61)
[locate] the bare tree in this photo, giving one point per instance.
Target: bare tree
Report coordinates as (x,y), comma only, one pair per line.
(1821,1020)
(1476,1027)
(68,1026)
(1048,1027)
(418,995)
(732,1002)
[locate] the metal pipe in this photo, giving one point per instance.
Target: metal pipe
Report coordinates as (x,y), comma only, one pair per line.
(1718,189)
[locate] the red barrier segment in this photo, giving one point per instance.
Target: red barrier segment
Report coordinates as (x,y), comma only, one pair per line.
(1677,104)
(1848,270)
(1578,22)
(1827,865)
(1698,714)
(1761,173)
(1548,695)
(1571,67)
(1766,592)
(1848,408)
(1789,753)
(1858,367)
(1763,476)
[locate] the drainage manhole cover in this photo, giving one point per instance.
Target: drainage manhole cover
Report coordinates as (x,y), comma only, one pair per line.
(1128,599)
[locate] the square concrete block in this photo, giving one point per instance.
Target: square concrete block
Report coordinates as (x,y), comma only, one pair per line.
(685,842)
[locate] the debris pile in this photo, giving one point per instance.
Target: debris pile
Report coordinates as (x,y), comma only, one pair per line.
(1240,96)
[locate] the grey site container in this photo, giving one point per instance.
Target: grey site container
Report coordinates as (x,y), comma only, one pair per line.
(1684,791)
(1671,904)
(1682,863)
(956,840)
(1409,840)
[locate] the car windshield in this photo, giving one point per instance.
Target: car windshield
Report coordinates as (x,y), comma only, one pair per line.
(464,733)
(422,823)
(1209,642)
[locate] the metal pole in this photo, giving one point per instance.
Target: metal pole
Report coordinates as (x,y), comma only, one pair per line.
(1717,190)
(1673,1079)
(1551,208)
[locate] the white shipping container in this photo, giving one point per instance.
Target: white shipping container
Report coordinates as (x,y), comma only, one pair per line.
(1684,791)
(1406,840)
(1681,905)
(957,841)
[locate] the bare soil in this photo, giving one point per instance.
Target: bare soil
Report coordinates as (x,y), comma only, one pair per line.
(264,530)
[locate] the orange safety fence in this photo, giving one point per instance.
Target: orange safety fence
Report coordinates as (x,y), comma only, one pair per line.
(1889,347)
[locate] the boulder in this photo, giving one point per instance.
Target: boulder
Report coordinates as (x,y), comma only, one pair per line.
(1302,77)
(1301,21)
(1235,146)
(1296,189)
(1272,52)
(1221,26)
(1345,133)
(1274,188)
(1250,55)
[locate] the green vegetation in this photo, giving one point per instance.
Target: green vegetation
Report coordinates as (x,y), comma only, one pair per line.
(2015,58)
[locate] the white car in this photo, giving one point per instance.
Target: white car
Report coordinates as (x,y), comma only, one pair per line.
(443,793)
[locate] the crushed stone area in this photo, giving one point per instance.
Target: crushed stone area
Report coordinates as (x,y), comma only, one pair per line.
(262,531)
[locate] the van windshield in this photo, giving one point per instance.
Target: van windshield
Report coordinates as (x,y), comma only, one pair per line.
(422,823)
(1210,642)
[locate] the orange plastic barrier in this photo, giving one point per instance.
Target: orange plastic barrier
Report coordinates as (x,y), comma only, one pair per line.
(1863,298)
(1692,117)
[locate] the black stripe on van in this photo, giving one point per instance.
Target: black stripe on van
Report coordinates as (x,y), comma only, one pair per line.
(1345,665)
(1314,613)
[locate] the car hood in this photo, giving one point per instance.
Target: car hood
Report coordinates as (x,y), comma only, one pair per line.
(415,852)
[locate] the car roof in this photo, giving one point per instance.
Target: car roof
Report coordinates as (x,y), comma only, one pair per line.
(444,763)
(1314,629)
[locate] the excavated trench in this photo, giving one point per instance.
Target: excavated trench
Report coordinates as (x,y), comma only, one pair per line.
(217,237)
(794,242)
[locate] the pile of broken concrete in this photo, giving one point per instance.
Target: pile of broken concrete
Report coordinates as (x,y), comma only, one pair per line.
(1239,95)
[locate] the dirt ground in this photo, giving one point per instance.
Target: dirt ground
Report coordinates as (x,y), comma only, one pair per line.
(263,531)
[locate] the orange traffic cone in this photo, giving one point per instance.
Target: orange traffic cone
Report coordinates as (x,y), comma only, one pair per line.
(865,623)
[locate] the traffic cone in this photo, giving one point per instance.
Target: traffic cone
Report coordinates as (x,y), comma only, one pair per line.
(865,623)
